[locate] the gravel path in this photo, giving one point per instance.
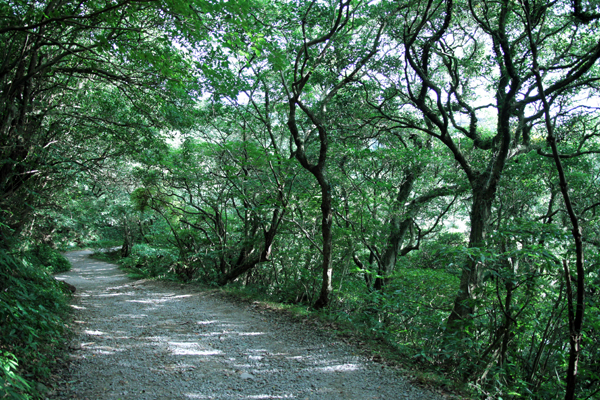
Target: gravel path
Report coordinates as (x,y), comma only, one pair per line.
(148,340)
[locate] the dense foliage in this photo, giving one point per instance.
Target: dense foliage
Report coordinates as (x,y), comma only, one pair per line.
(426,171)
(33,312)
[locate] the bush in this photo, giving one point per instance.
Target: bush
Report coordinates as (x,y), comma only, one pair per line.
(50,259)
(33,309)
(146,261)
(12,385)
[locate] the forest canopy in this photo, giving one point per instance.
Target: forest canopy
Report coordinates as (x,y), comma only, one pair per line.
(427,171)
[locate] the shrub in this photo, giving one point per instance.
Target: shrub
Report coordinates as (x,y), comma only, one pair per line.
(12,385)
(50,259)
(33,308)
(147,261)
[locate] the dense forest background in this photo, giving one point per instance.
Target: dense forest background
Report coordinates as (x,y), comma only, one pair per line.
(426,171)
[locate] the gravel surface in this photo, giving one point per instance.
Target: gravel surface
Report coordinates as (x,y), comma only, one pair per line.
(148,340)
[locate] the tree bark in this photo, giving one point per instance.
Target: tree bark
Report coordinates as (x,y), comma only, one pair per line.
(245,264)
(470,280)
(390,256)
(326,225)
(126,247)
(398,228)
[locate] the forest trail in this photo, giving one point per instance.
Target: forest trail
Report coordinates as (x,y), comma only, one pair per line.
(148,340)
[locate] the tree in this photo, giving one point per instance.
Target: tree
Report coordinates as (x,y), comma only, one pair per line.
(575,312)
(309,56)
(273,145)
(451,50)
(76,79)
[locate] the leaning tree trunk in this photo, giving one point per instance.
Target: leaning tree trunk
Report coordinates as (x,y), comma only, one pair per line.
(393,249)
(245,264)
(127,242)
(398,225)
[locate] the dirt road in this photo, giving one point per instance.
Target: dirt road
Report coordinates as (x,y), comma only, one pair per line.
(159,340)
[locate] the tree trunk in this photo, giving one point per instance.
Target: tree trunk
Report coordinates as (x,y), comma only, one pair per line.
(470,279)
(246,264)
(398,228)
(507,324)
(318,171)
(126,247)
(574,311)
(390,256)
(326,225)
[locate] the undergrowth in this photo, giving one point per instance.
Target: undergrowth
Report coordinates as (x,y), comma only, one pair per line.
(49,259)
(148,262)
(33,310)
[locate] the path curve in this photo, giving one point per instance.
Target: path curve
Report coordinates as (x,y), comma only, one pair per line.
(146,340)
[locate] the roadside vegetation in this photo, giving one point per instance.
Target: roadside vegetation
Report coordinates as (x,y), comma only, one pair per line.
(34,318)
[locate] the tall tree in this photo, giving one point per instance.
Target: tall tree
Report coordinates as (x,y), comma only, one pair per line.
(467,72)
(325,35)
(575,312)
(74,73)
